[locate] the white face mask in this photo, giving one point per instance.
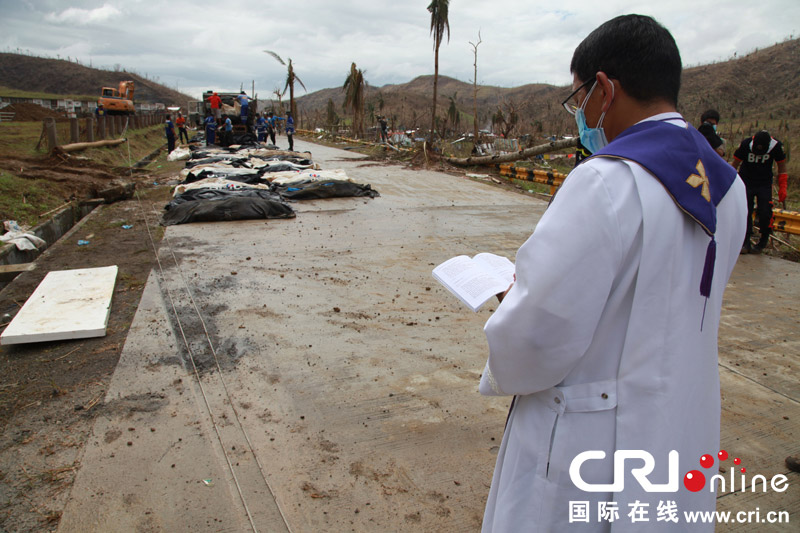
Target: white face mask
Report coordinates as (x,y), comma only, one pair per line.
(594,139)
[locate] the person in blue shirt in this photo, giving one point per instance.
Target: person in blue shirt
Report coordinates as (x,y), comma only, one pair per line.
(271,126)
(261,128)
(227,131)
(290,130)
(244,103)
(211,128)
(169,130)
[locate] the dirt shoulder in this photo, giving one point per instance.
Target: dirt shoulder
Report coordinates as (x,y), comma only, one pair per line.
(50,391)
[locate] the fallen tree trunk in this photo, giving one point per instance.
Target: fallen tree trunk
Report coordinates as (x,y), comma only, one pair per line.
(75,147)
(505,158)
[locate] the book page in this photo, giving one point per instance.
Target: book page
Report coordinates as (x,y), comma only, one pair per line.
(470,281)
(497,264)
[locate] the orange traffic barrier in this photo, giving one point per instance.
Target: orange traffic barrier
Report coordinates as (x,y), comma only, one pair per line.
(546,177)
(786,221)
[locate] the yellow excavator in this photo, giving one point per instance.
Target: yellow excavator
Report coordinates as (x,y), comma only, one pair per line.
(118,101)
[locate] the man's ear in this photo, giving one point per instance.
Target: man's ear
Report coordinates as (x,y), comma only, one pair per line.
(608,90)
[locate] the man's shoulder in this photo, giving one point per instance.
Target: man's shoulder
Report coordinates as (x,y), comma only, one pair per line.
(605,183)
(603,164)
(610,170)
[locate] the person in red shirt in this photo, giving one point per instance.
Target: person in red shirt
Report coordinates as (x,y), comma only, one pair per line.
(181,123)
(216,104)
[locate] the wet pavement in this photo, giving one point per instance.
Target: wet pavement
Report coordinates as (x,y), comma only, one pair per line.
(309,374)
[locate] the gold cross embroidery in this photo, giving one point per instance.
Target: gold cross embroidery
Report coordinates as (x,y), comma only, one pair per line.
(695,180)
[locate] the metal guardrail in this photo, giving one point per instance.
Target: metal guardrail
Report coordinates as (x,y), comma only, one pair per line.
(553,179)
(7,116)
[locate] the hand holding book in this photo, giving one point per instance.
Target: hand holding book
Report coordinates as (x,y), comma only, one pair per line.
(474,280)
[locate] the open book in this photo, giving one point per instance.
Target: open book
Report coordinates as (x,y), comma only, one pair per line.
(474,280)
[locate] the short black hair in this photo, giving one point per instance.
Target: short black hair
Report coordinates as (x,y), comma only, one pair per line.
(761,141)
(712,114)
(635,50)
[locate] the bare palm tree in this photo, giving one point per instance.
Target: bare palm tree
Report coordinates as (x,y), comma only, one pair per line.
(291,77)
(354,90)
(439,24)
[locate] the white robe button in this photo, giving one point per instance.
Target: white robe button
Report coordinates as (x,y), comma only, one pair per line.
(557,399)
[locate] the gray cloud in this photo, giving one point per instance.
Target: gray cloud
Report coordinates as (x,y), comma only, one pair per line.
(197,45)
(83,17)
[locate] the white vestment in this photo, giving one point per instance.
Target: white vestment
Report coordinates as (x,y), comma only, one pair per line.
(600,340)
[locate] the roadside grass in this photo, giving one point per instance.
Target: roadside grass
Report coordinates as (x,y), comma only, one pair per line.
(25,199)
(19,138)
(140,144)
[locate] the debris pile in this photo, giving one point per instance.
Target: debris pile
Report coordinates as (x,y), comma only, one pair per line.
(250,181)
(23,111)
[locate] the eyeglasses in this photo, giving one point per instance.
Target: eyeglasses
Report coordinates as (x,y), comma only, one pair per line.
(569,103)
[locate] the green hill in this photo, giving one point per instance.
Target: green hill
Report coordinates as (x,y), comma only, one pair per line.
(36,77)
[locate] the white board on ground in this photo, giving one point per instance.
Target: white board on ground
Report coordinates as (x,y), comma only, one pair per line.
(67,304)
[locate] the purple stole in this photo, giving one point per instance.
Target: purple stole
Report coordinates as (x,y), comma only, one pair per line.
(693,174)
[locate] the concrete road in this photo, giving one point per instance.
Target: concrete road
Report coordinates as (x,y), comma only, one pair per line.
(309,375)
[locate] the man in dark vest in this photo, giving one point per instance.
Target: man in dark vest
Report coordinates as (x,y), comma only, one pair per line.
(753,159)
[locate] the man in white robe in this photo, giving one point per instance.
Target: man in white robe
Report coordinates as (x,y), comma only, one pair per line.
(608,337)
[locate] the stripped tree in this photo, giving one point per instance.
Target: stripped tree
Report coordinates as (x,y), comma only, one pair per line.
(506,119)
(453,114)
(439,24)
(279,94)
(331,118)
(291,77)
(354,90)
(475,89)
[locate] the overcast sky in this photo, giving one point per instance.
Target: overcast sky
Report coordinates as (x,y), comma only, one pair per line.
(194,45)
